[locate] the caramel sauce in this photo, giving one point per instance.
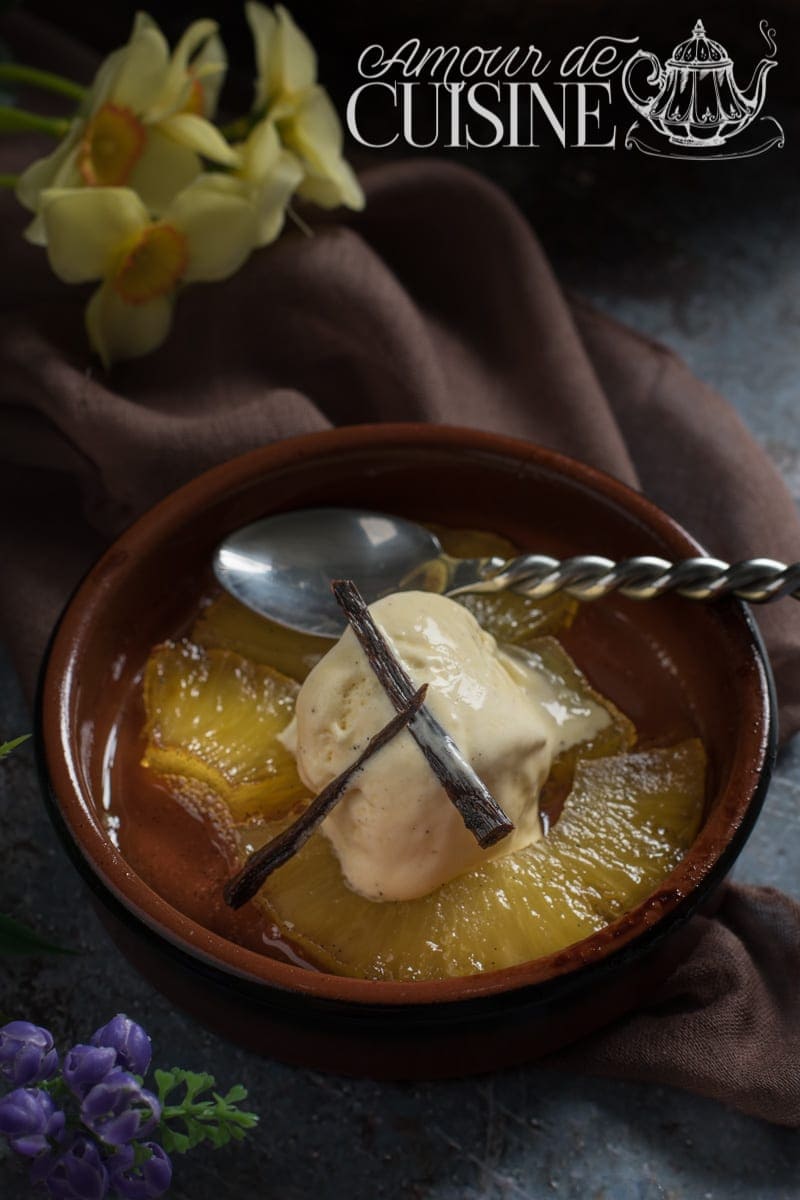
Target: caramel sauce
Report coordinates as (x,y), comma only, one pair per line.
(183,855)
(643,682)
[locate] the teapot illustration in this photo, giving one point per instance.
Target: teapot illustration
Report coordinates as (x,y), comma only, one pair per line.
(697,102)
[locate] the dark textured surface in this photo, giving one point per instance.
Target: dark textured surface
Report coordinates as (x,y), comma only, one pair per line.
(706,258)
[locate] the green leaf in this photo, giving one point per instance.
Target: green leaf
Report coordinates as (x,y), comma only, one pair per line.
(19,120)
(16,938)
(7,747)
(174,1143)
(164,1082)
(190,1119)
(141,1154)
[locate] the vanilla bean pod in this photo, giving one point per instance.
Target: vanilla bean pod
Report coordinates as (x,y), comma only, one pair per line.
(481,813)
(262,862)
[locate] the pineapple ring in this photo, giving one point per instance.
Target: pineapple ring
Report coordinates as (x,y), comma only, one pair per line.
(573,690)
(511,618)
(227,624)
(627,822)
(213,720)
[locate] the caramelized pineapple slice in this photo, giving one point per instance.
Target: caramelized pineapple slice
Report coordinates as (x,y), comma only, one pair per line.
(652,805)
(627,822)
(510,618)
(572,690)
(227,624)
(519,620)
(473,543)
(213,720)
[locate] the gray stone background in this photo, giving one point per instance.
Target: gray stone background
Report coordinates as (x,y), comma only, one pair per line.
(707,258)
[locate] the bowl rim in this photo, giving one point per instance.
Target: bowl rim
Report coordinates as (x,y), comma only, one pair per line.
(631,936)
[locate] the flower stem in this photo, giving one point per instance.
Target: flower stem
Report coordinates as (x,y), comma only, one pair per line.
(17,120)
(299,222)
(8,181)
(17,73)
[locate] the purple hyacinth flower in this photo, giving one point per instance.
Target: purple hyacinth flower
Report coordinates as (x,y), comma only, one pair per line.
(27,1053)
(130,1041)
(119,1109)
(78,1173)
(84,1066)
(30,1121)
(146,1181)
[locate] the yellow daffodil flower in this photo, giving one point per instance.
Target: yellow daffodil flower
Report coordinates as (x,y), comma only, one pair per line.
(194,77)
(205,234)
(287,92)
(144,123)
(267,176)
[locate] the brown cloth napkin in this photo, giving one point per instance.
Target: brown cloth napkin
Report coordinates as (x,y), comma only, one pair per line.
(434,304)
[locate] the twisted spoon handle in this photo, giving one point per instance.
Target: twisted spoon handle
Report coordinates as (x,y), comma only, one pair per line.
(588,576)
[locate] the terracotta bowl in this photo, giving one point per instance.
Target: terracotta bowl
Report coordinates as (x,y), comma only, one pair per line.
(666,662)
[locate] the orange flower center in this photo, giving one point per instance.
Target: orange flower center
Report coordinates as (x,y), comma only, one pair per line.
(195,102)
(153,265)
(111,146)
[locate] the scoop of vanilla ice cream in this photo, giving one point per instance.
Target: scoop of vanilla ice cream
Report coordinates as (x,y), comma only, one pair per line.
(396,833)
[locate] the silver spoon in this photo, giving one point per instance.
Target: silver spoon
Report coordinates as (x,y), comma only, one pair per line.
(282,567)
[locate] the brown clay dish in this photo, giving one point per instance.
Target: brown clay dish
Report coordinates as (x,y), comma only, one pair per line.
(661,661)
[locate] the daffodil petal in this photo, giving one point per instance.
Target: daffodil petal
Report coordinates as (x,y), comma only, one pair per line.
(220,226)
(268,178)
(273,197)
(194,37)
(143,21)
(314,130)
(339,187)
(164,168)
(35,232)
(67,176)
(177,83)
(102,83)
(199,135)
(86,227)
(49,171)
(209,69)
(261,152)
(264,27)
(119,330)
(297,62)
(314,133)
(142,70)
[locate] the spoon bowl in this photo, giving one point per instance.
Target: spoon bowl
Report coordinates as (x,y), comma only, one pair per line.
(283,566)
